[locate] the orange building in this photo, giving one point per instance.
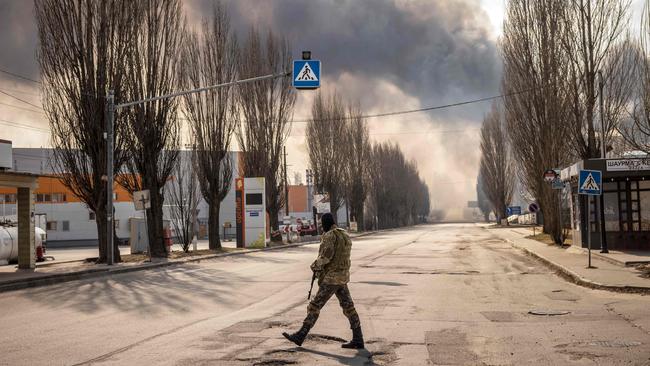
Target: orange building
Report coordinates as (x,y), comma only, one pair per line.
(299,199)
(52,190)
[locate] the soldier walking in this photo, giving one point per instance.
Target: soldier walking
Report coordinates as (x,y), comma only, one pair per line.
(332,267)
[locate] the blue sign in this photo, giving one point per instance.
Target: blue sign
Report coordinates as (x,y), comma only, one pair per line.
(513,210)
(253,213)
(306,74)
(590,182)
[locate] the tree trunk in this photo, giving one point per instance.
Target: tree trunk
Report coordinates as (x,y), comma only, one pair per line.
(334,206)
(358,215)
(155,224)
(117,257)
(214,239)
(100,221)
(273,218)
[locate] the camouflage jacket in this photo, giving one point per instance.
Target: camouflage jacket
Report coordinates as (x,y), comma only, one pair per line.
(333,262)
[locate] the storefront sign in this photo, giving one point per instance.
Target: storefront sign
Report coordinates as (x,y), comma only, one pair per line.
(619,165)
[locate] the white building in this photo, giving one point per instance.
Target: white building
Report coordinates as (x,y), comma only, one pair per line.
(69,222)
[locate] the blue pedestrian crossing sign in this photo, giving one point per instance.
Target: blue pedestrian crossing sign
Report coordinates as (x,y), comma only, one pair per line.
(590,182)
(306,74)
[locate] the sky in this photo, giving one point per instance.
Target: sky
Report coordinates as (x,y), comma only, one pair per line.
(389,55)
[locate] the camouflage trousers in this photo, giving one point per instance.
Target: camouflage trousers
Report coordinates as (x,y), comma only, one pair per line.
(325,292)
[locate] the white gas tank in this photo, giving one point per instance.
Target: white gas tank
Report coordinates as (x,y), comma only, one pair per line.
(9,242)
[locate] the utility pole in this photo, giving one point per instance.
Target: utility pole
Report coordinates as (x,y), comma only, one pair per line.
(110,110)
(603,155)
(110,99)
(286,184)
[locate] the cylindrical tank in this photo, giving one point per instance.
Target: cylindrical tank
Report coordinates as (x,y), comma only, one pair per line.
(9,242)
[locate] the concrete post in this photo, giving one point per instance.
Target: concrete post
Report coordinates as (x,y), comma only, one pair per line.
(26,243)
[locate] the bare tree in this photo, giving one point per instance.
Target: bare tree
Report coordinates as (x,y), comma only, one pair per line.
(536,105)
(326,139)
(356,163)
(484,204)
(184,197)
(636,131)
(497,168)
(266,108)
(83,45)
(593,28)
(398,196)
(153,137)
(211,59)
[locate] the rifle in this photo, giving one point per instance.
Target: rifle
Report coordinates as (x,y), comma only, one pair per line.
(313,277)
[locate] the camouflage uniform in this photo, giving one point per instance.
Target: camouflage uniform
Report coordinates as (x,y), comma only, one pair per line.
(333,269)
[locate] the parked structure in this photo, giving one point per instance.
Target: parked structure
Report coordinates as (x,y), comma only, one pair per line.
(626,189)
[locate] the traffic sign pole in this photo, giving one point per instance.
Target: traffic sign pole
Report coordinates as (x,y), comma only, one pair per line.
(589,230)
(590,184)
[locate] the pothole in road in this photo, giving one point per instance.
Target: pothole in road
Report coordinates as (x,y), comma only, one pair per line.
(382,283)
(323,337)
(562,295)
(548,312)
(615,344)
(453,273)
(275,362)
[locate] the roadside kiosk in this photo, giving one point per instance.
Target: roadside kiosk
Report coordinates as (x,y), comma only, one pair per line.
(250,213)
(626,204)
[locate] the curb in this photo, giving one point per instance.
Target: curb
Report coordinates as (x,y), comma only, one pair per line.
(575,278)
(613,260)
(96,272)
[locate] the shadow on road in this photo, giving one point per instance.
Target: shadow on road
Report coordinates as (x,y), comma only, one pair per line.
(146,292)
(361,358)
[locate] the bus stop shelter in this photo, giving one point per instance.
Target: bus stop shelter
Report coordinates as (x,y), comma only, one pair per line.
(626,204)
(25,185)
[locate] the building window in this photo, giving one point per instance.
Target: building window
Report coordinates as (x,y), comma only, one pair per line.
(65,225)
(51,225)
(611,211)
(91,215)
(54,197)
(58,197)
(645,210)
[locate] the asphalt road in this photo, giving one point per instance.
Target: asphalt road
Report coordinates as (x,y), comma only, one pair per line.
(439,294)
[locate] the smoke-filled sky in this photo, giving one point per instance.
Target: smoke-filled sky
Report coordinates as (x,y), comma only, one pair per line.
(390,55)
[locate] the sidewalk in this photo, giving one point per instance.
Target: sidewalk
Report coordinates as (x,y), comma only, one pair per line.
(571,263)
(12,278)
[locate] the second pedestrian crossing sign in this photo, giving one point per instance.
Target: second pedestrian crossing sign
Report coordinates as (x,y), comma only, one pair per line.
(306,74)
(590,182)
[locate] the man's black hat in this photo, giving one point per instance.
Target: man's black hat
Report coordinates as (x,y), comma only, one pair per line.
(327,220)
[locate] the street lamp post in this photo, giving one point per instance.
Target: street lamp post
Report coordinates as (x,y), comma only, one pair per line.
(603,155)
(111,107)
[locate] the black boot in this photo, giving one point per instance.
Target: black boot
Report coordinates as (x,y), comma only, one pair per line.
(297,337)
(357,340)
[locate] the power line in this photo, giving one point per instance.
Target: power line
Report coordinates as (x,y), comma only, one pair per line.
(20,76)
(22,92)
(425,109)
(23,108)
(15,124)
(19,99)
(413,132)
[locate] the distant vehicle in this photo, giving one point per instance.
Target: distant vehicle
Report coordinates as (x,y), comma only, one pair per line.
(307,228)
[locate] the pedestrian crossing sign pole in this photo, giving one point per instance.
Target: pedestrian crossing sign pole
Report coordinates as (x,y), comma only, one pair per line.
(590,183)
(306,74)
